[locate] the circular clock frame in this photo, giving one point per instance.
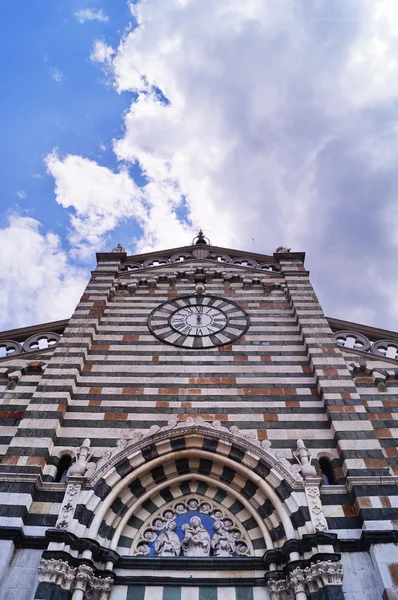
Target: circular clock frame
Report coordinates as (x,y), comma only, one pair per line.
(175,321)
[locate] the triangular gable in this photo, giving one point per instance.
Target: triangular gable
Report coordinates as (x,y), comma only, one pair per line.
(135,269)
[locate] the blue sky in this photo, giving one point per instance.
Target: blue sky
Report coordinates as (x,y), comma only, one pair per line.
(54,98)
(266,123)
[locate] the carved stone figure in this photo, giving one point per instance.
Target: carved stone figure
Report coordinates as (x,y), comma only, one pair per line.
(223,541)
(196,540)
(168,543)
(119,248)
(229,539)
(282,249)
(83,456)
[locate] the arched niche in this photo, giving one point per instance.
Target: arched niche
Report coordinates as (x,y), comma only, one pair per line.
(65,462)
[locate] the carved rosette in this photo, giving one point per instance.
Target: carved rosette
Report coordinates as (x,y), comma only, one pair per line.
(81,578)
(68,506)
(315,507)
(308,580)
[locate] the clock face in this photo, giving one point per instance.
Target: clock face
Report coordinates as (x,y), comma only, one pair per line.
(198,321)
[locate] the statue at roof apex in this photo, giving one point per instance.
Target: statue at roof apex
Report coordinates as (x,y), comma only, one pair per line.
(200,239)
(119,248)
(282,249)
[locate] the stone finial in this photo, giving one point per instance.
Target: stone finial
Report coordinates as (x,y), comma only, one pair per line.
(83,456)
(303,457)
(119,248)
(282,249)
(200,239)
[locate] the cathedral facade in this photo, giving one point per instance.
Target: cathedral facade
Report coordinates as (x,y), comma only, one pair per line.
(199,430)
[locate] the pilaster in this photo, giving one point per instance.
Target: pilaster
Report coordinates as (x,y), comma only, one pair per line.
(38,430)
(352,429)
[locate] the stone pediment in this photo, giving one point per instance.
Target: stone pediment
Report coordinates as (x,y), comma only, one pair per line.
(270,269)
(220,256)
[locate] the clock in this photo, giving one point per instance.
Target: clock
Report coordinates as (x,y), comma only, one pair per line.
(198,321)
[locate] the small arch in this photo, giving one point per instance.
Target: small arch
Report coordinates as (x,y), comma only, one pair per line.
(327,471)
(63,467)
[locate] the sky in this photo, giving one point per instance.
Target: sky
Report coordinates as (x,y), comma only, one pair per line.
(265,122)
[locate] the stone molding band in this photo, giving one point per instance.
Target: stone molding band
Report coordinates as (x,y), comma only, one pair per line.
(298,576)
(276,555)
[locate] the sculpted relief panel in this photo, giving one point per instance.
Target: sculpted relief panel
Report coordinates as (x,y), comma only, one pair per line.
(194,528)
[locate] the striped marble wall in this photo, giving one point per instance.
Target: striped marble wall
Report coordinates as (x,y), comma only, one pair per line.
(142,592)
(285,379)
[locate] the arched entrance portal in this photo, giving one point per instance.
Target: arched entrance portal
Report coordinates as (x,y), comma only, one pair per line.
(189,503)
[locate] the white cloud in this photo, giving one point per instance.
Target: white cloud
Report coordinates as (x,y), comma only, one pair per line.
(41,285)
(21,194)
(91,14)
(278,126)
(101,200)
(102,53)
(57,75)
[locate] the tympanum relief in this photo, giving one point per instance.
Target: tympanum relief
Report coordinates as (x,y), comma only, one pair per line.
(192,528)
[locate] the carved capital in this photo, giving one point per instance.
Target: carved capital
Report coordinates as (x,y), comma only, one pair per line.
(297,580)
(309,580)
(331,573)
(58,572)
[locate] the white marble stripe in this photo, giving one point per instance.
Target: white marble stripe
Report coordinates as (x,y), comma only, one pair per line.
(261,593)
(218,358)
(190,593)
(198,404)
(236,368)
(153,592)
(226,593)
(273,434)
(159,348)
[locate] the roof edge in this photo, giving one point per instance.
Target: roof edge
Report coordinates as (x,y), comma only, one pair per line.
(170,251)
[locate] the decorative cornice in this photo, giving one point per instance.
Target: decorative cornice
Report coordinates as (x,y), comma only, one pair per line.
(373,333)
(22,333)
(36,479)
(352,482)
(277,556)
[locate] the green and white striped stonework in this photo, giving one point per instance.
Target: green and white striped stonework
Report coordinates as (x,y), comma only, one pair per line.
(141,592)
